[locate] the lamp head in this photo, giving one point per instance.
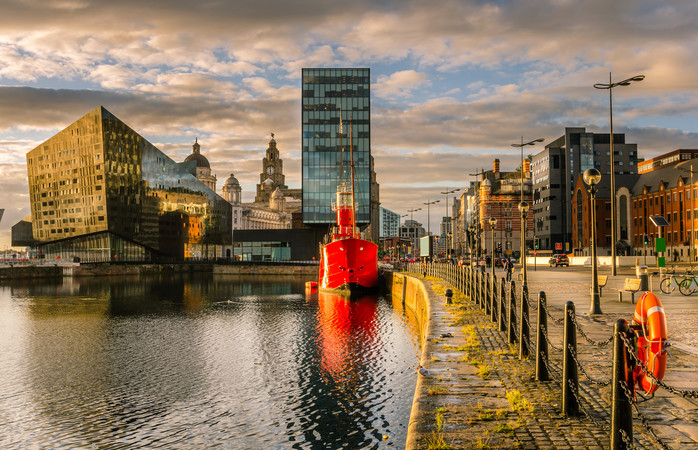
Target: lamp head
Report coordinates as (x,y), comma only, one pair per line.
(523,207)
(592,176)
(493,222)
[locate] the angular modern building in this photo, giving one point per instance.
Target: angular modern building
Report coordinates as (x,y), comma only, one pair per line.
(555,171)
(389,223)
(101,192)
(331,96)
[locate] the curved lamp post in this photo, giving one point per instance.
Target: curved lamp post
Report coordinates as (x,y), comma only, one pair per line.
(493,224)
(610,85)
(592,178)
(428,203)
(523,207)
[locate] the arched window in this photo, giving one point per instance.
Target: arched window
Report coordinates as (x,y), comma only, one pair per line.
(623,211)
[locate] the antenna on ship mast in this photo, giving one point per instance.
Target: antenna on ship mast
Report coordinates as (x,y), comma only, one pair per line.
(351,164)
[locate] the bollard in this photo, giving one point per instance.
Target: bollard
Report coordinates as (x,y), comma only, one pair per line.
(502,309)
(541,343)
(570,405)
(404,291)
(621,411)
(511,326)
(524,337)
(449,294)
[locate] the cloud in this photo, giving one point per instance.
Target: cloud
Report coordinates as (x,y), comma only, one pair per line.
(399,84)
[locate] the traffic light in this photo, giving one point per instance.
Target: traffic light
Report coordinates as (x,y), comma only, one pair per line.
(646,239)
(535,242)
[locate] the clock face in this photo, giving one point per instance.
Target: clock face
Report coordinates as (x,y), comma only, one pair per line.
(270,170)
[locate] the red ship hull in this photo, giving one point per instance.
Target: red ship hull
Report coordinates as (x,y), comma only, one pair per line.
(349,265)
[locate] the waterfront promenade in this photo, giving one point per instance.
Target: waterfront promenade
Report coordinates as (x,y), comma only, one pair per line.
(477,393)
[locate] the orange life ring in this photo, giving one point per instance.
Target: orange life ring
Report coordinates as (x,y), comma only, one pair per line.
(651,346)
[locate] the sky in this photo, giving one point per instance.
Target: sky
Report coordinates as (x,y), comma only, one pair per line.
(453,83)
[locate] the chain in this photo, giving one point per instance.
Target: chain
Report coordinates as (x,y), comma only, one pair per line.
(557,321)
(584,372)
(552,371)
(645,370)
(642,417)
(587,338)
(626,439)
(583,409)
(550,344)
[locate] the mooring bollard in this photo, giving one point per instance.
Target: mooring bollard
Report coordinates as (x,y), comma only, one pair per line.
(570,379)
(621,411)
(502,309)
(511,327)
(449,294)
(541,342)
(524,337)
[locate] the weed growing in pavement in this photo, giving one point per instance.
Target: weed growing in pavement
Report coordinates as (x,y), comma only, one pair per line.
(437,438)
(436,390)
(483,371)
(518,402)
(483,443)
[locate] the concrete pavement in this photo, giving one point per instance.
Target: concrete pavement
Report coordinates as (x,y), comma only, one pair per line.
(477,411)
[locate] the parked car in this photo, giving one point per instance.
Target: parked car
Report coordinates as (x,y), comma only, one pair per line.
(499,262)
(559,260)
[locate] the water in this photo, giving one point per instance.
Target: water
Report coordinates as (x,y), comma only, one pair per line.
(201,362)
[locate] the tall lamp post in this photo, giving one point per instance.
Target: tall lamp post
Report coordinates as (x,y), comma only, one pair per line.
(493,224)
(523,227)
(428,203)
(449,217)
(592,177)
(610,85)
(471,242)
(523,207)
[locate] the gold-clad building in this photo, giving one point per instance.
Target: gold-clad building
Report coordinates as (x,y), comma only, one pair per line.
(101,192)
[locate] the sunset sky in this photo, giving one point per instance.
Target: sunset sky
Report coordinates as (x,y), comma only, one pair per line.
(453,83)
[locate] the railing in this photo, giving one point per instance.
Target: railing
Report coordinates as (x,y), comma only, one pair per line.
(491,296)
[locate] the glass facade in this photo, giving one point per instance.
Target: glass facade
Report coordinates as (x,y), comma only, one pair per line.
(326,149)
(99,176)
(262,251)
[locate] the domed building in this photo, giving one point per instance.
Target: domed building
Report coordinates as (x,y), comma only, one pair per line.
(232,193)
(203,168)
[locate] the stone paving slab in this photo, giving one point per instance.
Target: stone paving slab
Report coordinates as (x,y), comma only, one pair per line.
(464,407)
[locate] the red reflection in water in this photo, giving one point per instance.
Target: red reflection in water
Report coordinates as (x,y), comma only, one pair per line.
(346,327)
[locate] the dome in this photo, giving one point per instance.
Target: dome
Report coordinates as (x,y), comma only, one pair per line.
(487,182)
(200,159)
(277,194)
(268,182)
(231,182)
(196,155)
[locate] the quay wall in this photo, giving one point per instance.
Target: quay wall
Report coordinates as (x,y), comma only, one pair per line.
(100,270)
(415,296)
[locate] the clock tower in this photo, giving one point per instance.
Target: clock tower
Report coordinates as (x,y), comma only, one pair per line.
(272,176)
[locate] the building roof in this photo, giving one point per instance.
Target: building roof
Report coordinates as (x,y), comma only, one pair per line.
(231,181)
(196,155)
(668,175)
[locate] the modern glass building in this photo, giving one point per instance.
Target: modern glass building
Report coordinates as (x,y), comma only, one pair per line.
(326,143)
(100,192)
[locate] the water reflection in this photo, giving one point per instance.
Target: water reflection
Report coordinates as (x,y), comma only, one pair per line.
(199,361)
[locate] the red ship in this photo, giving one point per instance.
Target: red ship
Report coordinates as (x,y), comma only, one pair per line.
(348,263)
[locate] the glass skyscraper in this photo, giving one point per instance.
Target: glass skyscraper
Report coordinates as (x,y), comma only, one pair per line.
(326,149)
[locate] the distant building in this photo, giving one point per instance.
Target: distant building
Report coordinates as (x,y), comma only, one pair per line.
(202,170)
(667,159)
(327,145)
(101,192)
(389,223)
(555,171)
(413,231)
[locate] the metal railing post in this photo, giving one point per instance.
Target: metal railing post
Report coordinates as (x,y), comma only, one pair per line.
(495,301)
(621,412)
(488,293)
(502,305)
(570,378)
(511,326)
(541,342)
(524,337)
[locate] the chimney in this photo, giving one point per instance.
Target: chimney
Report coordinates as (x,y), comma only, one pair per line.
(496,168)
(527,166)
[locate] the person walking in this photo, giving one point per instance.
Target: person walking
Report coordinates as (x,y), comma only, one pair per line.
(509,267)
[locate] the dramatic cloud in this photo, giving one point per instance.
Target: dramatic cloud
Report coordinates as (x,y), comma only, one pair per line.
(454,82)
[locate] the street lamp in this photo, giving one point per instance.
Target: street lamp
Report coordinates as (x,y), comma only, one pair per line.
(523,236)
(449,217)
(592,177)
(428,203)
(493,224)
(610,87)
(471,241)
(523,207)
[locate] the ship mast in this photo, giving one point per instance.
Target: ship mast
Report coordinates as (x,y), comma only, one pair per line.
(351,164)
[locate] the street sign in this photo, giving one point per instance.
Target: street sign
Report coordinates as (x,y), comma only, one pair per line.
(558,246)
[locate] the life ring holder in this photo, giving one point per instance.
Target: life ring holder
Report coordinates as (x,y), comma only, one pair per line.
(652,342)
